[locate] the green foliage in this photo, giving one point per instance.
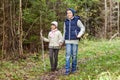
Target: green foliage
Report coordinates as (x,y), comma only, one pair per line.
(37,16)
(117,0)
(28,16)
(90,12)
(40,13)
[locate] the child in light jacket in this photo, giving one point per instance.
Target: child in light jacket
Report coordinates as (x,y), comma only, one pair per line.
(55,40)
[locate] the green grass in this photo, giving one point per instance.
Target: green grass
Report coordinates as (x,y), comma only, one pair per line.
(98,57)
(97,60)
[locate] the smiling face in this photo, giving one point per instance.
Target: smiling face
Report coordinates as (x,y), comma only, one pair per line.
(53,27)
(69,14)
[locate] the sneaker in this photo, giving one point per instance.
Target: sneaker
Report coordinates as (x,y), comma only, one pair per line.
(73,71)
(67,73)
(57,69)
(52,70)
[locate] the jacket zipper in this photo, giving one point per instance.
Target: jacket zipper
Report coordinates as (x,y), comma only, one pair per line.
(69,28)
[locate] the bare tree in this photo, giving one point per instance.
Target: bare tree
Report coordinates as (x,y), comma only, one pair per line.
(20,30)
(114,18)
(110,17)
(118,22)
(3,29)
(106,10)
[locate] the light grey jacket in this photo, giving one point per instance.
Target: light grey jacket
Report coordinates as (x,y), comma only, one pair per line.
(54,39)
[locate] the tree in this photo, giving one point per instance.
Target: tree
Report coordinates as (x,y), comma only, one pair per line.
(22,20)
(3,41)
(20,30)
(106,15)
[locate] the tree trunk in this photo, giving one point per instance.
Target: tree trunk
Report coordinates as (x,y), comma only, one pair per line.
(110,18)
(105,29)
(20,31)
(118,22)
(3,29)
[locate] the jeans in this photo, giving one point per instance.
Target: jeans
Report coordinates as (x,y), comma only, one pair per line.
(53,55)
(71,51)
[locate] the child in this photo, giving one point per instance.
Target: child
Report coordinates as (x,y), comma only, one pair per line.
(54,39)
(73,30)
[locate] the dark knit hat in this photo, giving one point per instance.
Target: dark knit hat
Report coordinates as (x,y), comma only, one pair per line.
(72,10)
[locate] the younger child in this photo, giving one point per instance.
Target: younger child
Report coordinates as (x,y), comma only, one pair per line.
(54,39)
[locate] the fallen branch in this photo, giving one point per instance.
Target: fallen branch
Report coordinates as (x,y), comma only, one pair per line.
(114,36)
(30,28)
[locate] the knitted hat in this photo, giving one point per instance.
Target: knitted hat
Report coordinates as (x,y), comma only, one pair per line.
(72,10)
(55,23)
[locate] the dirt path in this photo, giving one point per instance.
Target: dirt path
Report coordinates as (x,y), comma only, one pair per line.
(52,75)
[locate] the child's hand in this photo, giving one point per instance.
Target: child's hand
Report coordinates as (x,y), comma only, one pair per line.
(78,36)
(60,43)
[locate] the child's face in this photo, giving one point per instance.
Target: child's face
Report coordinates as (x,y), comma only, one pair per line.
(53,27)
(69,14)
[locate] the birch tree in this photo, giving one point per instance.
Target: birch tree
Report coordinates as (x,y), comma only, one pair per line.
(20,30)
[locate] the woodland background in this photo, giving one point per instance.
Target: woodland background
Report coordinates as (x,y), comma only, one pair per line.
(22,20)
(24,56)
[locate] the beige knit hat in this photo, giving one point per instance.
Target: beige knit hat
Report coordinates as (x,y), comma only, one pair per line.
(55,23)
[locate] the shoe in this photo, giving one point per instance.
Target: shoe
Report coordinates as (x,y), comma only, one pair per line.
(67,73)
(73,71)
(57,69)
(52,70)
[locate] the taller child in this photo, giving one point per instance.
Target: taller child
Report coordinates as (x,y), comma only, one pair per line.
(73,30)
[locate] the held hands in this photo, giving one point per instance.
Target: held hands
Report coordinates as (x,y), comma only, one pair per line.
(60,43)
(78,36)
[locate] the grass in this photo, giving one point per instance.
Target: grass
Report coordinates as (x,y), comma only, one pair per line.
(102,57)
(97,60)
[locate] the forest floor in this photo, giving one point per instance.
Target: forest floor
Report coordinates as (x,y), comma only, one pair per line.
(97,60)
